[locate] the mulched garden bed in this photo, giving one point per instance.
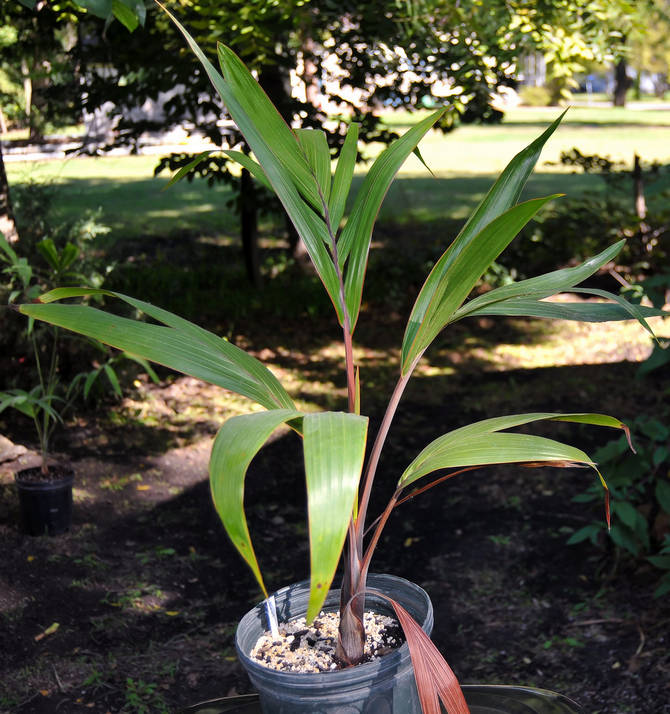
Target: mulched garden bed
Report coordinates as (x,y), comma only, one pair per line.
(135,609)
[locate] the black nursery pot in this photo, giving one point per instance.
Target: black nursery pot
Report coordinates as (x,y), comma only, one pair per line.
(383,686)
(45,506)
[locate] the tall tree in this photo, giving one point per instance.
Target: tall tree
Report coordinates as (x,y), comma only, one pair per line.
(650,51)
(568,33)
(350,58)
(38,34)
(7,222)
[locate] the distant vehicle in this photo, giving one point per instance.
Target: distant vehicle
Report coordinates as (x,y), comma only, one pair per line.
(593,84)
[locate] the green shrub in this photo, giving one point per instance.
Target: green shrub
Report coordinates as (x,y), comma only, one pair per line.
(639,486)
(535,96)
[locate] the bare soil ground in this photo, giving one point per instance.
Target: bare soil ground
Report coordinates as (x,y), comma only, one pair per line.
(135,609)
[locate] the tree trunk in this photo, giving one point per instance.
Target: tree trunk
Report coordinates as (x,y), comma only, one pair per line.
(638,190)
(249,228)
(272,81)
(7,222)
(641,206)
(622,83)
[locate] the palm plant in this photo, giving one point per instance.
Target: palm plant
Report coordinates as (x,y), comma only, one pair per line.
(50,398)
(339,472)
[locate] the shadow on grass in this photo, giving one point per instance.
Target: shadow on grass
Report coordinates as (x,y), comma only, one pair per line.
(138,206)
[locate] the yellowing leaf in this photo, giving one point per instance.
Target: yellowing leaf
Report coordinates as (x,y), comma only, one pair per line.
(143,487)
(49,631)
(172,613)
(30,558)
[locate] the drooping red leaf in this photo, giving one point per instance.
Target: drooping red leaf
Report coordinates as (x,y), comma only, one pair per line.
(435,681)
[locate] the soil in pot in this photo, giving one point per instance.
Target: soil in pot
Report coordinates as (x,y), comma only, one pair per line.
(384,685)
(45,500)
(311,648)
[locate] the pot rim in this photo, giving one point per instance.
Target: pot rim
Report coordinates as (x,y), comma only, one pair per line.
(357,673)
(32,484)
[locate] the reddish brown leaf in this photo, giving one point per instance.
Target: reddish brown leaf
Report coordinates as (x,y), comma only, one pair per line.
(554,464)
(435,680)
(351,642)
(626,431)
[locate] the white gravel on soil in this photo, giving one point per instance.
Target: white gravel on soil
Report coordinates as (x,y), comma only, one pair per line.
(302,648)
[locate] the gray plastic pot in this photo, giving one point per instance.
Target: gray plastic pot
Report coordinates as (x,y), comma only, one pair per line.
(384,686)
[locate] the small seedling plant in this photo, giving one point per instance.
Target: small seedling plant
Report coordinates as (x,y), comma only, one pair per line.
(339,467)
(53,396)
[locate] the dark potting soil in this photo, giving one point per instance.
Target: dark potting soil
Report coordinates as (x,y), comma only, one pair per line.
(35,474)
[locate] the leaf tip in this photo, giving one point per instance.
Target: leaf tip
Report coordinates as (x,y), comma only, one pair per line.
(629,439)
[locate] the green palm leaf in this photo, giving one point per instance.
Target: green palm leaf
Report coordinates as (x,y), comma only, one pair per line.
(178,344)
(455,274)
(540,287)
(354,243)
(507,189)
(314,145)
(29,403)
(235,445)
(261,123)
(334,444)
(253,167)
(581,312)
(527,297)
(501,197)
(184,170)
(500,449)
(270,138)
(344,173)
(479,444)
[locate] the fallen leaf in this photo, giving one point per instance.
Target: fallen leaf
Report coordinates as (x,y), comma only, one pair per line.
(49,631)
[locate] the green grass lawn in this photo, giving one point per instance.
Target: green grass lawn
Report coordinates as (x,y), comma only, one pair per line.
(464,163)
(578,115)
(132,200)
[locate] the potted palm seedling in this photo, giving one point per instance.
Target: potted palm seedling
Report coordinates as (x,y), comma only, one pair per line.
(45,490)
(339,465)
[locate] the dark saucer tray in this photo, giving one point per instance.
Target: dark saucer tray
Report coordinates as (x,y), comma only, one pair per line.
(481,698)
